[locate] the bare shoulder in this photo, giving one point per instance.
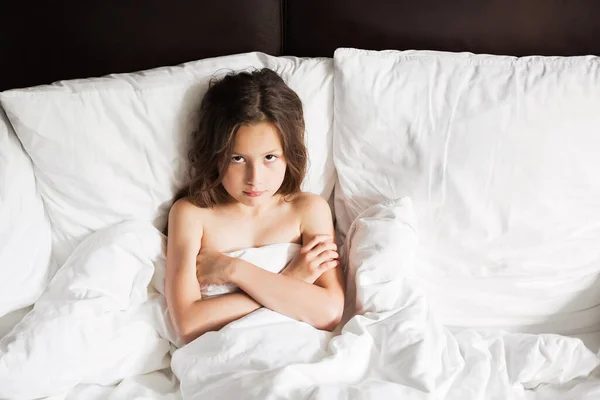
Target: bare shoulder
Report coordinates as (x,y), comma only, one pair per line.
(307,201)
(185,208)
(314,212)
(185,218)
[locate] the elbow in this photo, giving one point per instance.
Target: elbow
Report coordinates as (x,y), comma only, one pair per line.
(186,337)
(332,315)
(180,327)
(186,331)
(331,324)
(186,334)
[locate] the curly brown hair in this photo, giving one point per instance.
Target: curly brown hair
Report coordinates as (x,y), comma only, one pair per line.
(235,100)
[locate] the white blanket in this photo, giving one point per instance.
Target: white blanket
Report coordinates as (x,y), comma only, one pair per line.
(103,319)
(395,348)
(100,320)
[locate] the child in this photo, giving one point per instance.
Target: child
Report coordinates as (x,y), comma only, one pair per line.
(247,162)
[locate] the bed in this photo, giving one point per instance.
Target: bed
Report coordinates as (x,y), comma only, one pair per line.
(471,242)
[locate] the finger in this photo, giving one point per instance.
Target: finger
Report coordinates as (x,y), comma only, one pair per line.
(327,265)
(324,246)
(327,255)
(318,239)
(318,250)
(315,241)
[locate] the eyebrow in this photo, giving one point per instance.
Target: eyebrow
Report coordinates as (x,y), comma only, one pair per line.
(264,154)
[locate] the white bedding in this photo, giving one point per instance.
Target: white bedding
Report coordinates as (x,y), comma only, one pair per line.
(101,330)
(8,321)
(99,321)
(500,157)
(159,385)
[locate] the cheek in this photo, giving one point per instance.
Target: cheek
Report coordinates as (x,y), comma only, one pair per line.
(279,172)
(231,177)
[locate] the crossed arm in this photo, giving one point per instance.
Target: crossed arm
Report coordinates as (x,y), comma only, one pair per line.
(290,292)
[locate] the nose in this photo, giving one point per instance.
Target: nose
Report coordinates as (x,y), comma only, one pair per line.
(253,174)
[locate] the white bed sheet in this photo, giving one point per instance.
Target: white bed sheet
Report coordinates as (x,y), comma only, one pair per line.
(163,386)
(8,321)
(159,385)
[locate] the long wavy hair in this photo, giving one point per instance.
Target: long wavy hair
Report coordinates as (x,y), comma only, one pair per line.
(238,99)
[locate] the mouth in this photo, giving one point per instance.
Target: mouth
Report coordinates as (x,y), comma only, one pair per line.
(253,194)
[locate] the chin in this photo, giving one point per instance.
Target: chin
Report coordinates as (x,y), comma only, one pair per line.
(253,201)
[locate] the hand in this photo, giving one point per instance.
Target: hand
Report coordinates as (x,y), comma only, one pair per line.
(213,267)
(313,259)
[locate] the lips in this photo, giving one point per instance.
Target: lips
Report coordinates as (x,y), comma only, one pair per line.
(253,194)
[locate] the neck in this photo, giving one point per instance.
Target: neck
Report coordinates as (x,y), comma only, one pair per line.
(256,211)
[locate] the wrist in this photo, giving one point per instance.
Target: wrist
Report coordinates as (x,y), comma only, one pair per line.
(285,272)
(290,273)
(233,270)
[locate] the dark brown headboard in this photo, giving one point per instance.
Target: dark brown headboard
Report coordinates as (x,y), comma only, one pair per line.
(44,41)
(507,27)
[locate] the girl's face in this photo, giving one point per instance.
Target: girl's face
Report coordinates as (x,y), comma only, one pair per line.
(257,165)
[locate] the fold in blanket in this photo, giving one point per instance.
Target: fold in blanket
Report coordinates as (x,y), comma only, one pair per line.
(100,319)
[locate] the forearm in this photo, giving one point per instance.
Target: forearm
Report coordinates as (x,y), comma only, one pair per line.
(213,313)
(289,296)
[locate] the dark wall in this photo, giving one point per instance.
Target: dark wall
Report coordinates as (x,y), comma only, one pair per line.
(43,41)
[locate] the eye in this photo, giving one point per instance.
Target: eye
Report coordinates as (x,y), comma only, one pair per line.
(237,159)
(271,157)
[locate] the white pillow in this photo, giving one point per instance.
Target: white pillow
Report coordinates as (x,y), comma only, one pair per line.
(500,156)
(379,255)
(25,242)
(113,148)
